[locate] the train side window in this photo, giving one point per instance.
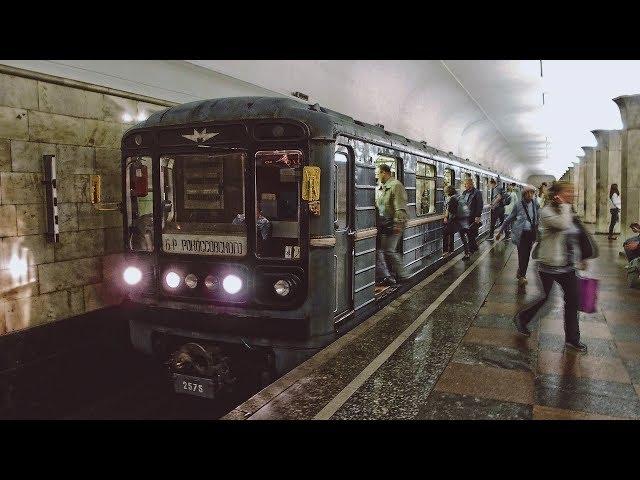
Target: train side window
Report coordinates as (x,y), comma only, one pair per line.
(393,165)
(449,177)
(477,184)
(278,174)
(340,190)
(139,204)
(425,189)
(487,189)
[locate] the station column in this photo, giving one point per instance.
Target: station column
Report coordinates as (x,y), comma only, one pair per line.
(580,169)
(608,163)
(629,106)
(589,184)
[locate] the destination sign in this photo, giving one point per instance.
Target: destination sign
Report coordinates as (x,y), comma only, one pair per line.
(218,245)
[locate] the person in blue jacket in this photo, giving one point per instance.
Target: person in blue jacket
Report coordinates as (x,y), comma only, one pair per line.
(524,219)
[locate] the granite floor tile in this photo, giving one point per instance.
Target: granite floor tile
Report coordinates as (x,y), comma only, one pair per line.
(494,356)
(499,307)
(587,329)
(637,387)
(541,412)
(500,337)
(494,321)
(617,317)
(487,382)
(450,406)
(633,368)
(578,365)
(587,395)
(598,347)
(629,350)
(625,333)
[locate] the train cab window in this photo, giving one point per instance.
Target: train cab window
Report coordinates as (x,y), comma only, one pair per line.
(340,191)
(278,174)
(202,202)
(425,189)
(139,203)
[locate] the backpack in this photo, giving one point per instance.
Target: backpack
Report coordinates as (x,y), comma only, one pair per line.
(633,273)
(463,210)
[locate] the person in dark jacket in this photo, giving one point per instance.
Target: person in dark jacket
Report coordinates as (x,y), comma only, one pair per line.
(524,218)
(497,207)
(453,223)
(473,198)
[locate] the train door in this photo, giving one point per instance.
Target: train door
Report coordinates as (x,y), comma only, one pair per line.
(343,225)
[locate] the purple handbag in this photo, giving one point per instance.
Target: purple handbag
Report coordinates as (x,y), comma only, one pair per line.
(587,294)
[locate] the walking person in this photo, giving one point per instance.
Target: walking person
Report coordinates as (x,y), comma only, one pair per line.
(524,218)
(615,205)
(508,208)
(472,198)
(456,218)
(392,206)
(560,255)
(497,207)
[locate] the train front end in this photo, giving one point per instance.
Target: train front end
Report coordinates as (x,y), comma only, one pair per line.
(216,269)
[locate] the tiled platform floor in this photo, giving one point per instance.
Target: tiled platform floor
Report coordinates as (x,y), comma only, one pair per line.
(464,359)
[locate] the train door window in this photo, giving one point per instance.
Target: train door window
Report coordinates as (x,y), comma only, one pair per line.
(449,177)
(202,198)
(340,191)
(393,165)
(278,174)
(425,189)
(139,203)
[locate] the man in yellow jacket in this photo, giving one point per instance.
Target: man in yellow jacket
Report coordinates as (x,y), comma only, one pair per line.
(392,208)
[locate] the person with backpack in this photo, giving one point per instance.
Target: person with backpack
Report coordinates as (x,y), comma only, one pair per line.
(456,217)
(472,198)
(564,247)
(497,207)
(614,207)
(524,217)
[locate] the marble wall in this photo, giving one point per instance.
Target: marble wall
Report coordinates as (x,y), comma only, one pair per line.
(42,281)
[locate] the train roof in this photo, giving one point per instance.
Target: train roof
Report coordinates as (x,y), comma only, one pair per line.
(323,123)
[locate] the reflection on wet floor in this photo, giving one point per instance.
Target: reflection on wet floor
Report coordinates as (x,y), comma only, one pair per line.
(465,361)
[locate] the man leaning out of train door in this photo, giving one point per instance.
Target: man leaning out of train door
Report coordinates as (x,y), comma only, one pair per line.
(473,198)
(392,206)
(524,219)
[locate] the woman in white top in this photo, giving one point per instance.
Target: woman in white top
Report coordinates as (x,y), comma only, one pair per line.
(614,207)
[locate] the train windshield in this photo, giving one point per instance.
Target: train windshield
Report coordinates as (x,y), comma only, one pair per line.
(203,204)
(278,174)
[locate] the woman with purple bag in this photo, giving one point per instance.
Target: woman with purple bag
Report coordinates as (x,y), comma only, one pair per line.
(563,248)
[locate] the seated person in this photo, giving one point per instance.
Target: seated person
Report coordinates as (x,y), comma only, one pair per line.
(632,245)
(263,224)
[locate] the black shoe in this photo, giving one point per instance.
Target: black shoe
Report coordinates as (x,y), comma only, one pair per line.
(520,327)
(403,280)
(577,347)
(466,256)
(388,282)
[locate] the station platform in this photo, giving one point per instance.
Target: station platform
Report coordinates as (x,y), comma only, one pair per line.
(447,349)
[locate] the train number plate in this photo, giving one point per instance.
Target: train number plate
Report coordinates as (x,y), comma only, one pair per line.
(201,387)
(218,245)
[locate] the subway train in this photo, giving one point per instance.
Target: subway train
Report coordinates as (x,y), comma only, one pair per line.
(250,232)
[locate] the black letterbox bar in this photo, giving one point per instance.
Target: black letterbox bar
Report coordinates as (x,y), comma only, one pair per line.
(53,230)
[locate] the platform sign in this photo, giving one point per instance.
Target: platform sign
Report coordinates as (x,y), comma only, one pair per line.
(215,245)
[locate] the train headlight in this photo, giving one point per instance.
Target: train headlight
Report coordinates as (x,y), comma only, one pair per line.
(232,284)
(282,287)
(211,282)
(191,280)
(132,275)
(172,279)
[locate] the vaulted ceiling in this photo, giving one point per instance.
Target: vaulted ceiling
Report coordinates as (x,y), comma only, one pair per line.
(521,117)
